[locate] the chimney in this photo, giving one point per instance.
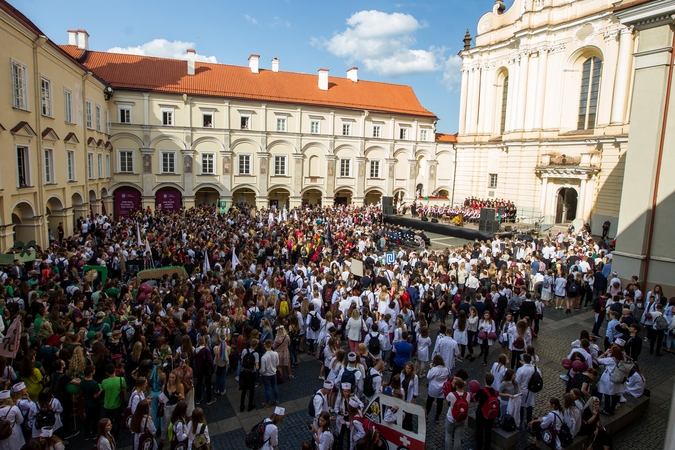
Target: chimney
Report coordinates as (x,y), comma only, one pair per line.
(82,39)
(191,62)
(275,65)
(353,74)
(253,63)
(72,37)
(323,79)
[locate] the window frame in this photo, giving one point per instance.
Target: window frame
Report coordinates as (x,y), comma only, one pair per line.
(49,175)
(19,90)
(282,120)
(168,113)
(283,158)
(346,129)
(249,162)
(204,115)
(90,165)
(169,170)
(122,163)
(377,165)
(247,117)
(493,180)
(403,133)
(70,165)
(89,115)
(377,130)
(589,100)
(25,157)
(313,122)
(124,108)
(98,117)
(505,99)
(212,155)
(46,97)
(424,135)
(348,172)
(107,166)
(99,166)
(68,105)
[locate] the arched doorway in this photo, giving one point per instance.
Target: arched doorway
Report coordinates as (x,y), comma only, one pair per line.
(343,197)
(373,197)
(93,202)
(442,193)
(125,201)
(566,205)
(54,215)
(311,197)
(79,210)
(168,199)
(279,197)
(244,196)
(104,200)
(207,197)
(24,223)
(419,190)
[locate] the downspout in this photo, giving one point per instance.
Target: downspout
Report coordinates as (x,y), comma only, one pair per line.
(454,177)
(657,177)
(40,208)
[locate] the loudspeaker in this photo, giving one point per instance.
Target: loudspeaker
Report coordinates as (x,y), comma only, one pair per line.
(434,220)
(487,214)
(481,225)
(388,210)
(387,201)
(501,210)
(425,219)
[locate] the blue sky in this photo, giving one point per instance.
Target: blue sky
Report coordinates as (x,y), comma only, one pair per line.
(408,43)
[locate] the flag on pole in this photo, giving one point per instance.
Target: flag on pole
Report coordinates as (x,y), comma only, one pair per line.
(207,265)
(295,215)
(10,343)
(138,235)
(285,215)
(279,218)
(235,260)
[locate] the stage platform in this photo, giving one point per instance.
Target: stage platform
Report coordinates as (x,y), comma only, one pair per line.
(468,231)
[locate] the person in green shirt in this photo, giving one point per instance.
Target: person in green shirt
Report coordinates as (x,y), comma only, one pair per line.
(112,404)
(92,405)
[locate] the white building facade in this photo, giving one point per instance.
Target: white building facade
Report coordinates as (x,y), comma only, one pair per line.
(544,110)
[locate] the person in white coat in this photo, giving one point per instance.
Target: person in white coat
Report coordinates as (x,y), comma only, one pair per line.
(553,419)
(26,406)
(447,347)
(379,337)
(197,426)
(141,423)
(611,391)
(47,402)
(310,333)
(437,375)
(523,376)
(12,414)
(271,436)
(486,325)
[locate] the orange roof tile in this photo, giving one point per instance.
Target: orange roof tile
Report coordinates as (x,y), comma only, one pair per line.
(446,137)
(221,80)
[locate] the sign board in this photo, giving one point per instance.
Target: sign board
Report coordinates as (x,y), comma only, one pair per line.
(169,200)
(8,258)
(126,201)
(389,258)
(357,268)
(222,205)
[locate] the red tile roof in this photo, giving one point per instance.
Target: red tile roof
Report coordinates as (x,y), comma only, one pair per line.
(446,137)
(152,74)
(627,5)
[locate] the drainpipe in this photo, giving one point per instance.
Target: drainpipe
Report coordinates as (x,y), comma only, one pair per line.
(657,177)
(40,208)
(454,177)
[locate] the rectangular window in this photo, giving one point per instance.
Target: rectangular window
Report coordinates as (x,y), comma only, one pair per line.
(244,164)
(315,127)
(167,118)
(280,165)
(99,161)
(68,102)
(70,163)
(168,162)
(377,131)
(106,122)
(125,114)
(49,166)
(90,166)
(107,166)
(207,163)
(424,135)
(22,167)
(345,168)
(126,161)
(505,97)
(403,133)
(207,120)
(46,96)
(98,118)
(281,124)
(19,85)
(493,181)
(245,122)
(374,169)
(89,118)
(346,129)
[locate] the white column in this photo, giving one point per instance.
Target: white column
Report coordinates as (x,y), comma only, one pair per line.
(470,102)
(544,194)
(462,102)
(541,89)
(487,109)
(622,76)
(581,209)
(475,93)
(512,98)
(522,90)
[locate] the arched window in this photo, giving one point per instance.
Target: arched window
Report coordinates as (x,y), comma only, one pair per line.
(505,95)
(590,85)
(314,166)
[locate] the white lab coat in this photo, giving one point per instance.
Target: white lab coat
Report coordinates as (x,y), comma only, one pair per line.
(523,376)
(13,415)
(605,385)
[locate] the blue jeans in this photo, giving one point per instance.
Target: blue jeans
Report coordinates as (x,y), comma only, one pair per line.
(270,382)
(221,374)
(293,354)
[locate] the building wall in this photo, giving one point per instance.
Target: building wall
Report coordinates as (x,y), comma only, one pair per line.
(541,47)
(29,209)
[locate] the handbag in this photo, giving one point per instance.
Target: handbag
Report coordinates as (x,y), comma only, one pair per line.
(160,410)
(200,442)
(549,434)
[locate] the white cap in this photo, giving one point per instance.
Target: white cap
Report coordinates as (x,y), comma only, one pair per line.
(279,411)
(46,432)
(5,394)
(328,384)
(620,342)
(351,357)
(355,402)
(346,386)
(18,387)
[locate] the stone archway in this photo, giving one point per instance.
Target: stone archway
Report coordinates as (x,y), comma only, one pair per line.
(279,197)
(126,200)
(79,208)
(566,205)
(311,197)
(243,195)
(55,215)
(372,197)
(23,218)
(207,196)
(343,197)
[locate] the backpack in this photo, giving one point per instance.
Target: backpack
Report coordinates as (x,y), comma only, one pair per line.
(175,443)
(621,372)
(315,322)
(368,389)
(146,441)
(661,323)
(61,265)
(374,346)
(256,320)
(536,383)
(490,409)
(460,409)
(547,283)
(311,409)
(572,288)
(248,362)
(255,439)
(6,426)
(199,443)
(283,308)
(508,423)
(349,376)
(45,417)
(447,387)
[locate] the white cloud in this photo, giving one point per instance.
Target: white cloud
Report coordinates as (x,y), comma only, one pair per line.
(250,19)
(384,44)
(279,22)
(452,75)
(163,49)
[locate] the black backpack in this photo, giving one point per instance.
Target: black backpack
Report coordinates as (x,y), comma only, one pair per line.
(572,288)
(508,423)
(311,409)
(536,383)
(248,362)
(315,322)
(45,418)
(374,346)
(368,389)
(349,376)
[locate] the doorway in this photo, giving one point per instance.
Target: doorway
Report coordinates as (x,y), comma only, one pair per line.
(566,205)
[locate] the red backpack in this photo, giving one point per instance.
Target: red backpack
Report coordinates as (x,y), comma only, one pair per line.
(460,409)
(447,387)
(490,409)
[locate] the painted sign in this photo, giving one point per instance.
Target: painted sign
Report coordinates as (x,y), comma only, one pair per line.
(168,199)
(126,201)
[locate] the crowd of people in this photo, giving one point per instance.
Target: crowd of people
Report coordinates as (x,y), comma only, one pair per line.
(470,211)
(263,286)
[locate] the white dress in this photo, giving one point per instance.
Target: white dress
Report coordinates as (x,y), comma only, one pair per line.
(605,385)
(462,337)
(15,441)
(498,373)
